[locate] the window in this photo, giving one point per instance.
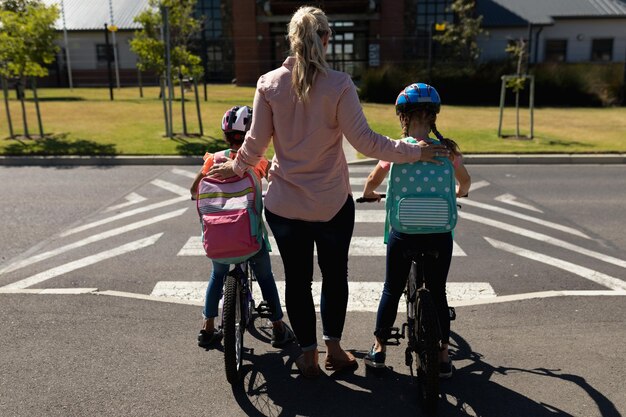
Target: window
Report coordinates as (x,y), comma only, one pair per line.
(556,50)
(101,53)
(602,49)
(425,14)
(212,45)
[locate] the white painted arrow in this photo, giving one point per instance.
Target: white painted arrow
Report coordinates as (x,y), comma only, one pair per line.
(543,238)
(512,200)
(91,239)
(595,276)
(526,217)
(81,263)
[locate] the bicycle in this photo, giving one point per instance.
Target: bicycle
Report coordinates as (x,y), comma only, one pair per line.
(237,315)
(421,328)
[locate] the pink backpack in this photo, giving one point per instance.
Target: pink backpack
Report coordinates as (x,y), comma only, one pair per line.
(230,214)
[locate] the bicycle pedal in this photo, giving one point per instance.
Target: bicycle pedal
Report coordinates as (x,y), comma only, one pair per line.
(263,309)
(452,313)
(394,337)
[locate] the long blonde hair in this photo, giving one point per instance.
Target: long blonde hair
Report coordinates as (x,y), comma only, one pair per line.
(307,27)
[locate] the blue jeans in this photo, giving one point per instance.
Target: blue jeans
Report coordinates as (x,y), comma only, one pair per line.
(262,267)
(296,239)
(398,266)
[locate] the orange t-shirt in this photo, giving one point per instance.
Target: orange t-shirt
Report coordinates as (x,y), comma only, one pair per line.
(260,170)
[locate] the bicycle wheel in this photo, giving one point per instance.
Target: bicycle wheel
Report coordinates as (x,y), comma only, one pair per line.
(427,346)
(233,323)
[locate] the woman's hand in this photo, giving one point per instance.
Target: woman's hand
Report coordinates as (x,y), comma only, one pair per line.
(430,152)
(222,171)
(372,196)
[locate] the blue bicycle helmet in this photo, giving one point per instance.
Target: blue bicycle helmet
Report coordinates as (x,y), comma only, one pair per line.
(418,96)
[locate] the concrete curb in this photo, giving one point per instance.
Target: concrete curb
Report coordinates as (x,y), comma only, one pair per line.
(473,159)
(99,160)
(542,159)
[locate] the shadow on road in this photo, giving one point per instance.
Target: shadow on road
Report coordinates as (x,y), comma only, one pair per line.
(271,386)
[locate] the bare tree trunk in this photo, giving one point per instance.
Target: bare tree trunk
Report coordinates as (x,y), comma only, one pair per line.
(34,84)
(140,82)
(5,91)
(165,113)
(517,114)
(182,101)
(195,90)
(22,93)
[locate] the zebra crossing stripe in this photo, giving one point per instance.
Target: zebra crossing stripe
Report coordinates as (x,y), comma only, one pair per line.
(360,246)
(364,296)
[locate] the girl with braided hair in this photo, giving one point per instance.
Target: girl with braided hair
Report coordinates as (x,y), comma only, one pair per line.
(417,107)
(307,108)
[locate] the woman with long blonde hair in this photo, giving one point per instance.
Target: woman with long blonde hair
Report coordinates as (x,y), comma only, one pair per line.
(306,108)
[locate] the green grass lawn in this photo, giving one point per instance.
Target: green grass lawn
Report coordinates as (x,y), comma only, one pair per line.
(85,122)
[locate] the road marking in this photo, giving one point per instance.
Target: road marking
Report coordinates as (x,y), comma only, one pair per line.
(48,291)
(537,295)
(91,239)
(360,246)
(478,185)
(526,217)
(362,169)
(354,181)
(370,216)
(512,200)
(543,238)
(184,173)
(132,198)
(119,216)
(595,276)
(174,188)
(81,263)
(364,296)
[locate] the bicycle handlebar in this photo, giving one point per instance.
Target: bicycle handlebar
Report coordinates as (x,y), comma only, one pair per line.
(369,199)
(383,195)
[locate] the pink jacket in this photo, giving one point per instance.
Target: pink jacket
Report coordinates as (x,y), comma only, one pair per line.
(309,177)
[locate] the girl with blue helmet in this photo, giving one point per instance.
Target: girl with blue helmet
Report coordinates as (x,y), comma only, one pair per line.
(417,107)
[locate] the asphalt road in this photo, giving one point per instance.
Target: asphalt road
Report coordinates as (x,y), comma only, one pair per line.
(88,253)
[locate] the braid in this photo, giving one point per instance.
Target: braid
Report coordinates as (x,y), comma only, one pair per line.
(448,143)
(405,121)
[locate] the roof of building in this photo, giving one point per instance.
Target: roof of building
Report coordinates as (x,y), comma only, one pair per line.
(543,12)
(93,14)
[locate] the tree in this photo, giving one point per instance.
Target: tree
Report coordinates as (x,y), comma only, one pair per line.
(27,46)
(518,51)
(150,47)
(460,36)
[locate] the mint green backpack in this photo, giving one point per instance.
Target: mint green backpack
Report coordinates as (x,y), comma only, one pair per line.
(421,197)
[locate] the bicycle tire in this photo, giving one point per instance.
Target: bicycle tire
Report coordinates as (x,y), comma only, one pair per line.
(428,344)
(233,329)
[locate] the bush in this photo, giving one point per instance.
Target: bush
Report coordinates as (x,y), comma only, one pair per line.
(583,84)
(580,84)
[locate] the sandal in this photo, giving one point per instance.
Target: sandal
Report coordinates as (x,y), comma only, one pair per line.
(307,371)
(336,364)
